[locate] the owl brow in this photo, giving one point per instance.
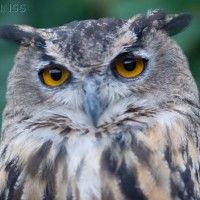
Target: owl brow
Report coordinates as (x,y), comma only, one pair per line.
(47,57)
(133,47)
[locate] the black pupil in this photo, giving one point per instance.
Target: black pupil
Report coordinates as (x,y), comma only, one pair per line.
(129,64)
(56,74)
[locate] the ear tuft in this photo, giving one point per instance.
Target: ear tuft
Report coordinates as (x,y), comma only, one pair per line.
(160,20)
(172,24)
(177,23)
(21,34)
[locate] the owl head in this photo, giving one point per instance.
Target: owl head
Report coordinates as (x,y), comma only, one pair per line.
(94,70)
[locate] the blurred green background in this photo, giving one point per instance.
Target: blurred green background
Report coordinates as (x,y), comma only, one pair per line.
(48,13)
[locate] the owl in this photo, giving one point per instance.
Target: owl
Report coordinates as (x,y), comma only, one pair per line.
(101,109)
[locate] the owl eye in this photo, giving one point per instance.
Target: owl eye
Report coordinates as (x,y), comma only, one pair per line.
(54,75)
(129,67)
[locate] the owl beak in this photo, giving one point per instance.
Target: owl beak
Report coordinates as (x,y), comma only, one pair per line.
(92,105)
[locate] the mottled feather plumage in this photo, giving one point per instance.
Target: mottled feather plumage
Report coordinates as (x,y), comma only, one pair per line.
(144,141)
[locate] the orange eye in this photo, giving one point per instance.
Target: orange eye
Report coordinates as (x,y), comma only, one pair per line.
(54,75)
(129,67)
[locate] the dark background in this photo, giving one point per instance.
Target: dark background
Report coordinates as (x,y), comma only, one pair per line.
(48,13)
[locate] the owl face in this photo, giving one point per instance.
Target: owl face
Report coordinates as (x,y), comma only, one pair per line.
(95,70)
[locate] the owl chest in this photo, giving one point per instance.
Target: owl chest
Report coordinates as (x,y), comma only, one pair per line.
(78,167)
(82,166)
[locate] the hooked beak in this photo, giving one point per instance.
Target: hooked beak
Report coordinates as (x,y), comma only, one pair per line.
(92,105)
